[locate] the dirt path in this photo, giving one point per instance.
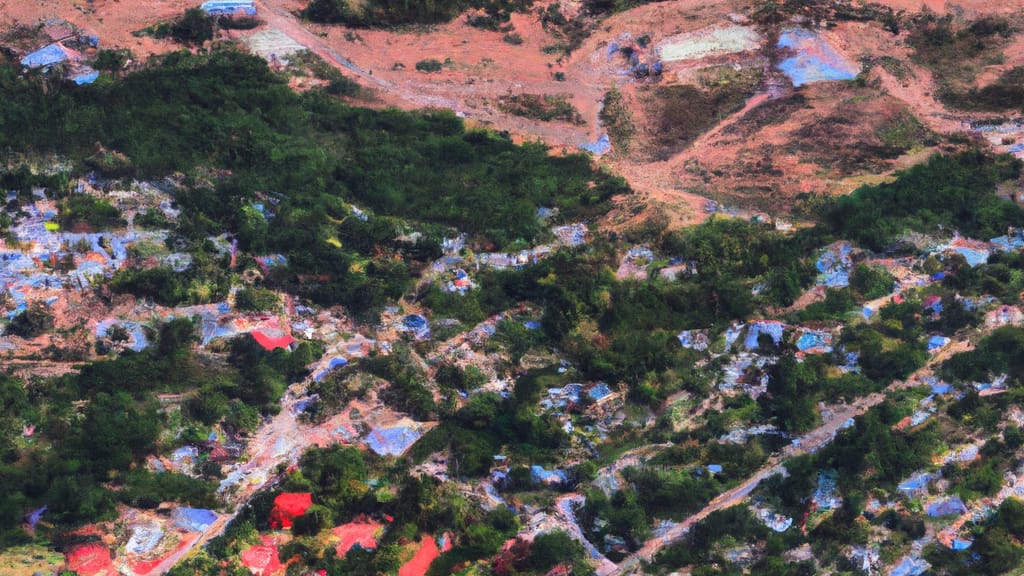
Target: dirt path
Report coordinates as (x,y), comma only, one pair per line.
(278,17)
(468,93)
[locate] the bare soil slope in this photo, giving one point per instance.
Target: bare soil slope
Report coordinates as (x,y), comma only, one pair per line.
(729,126)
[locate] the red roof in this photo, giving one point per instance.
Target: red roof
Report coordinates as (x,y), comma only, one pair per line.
(270,342)
(287,506)
(261,560)
(91,560)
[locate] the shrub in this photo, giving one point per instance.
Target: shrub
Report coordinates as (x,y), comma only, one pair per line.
(112,60)
(546,107)
(238,22)
(194,27)
(512,38)
(617,119)
(342,86)
(256,300)
(31,323)
(429,65)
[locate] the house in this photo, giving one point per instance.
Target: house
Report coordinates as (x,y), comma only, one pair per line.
(262,559)
(229,7)
(49,56)
(287,507)
(269,342)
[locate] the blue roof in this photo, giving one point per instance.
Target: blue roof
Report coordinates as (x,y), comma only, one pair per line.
(949,507)
(959,544)
(86,77)
(815,60)
(813,339)
(936,342)
(1008,243)
(229,7)
(392,441)
(770,328)
(973,257)
(415,321)
(599,391)
(540,474)
(194,519)
(46,56)
(602,146)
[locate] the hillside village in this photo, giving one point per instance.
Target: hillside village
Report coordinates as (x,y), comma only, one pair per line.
(257,334)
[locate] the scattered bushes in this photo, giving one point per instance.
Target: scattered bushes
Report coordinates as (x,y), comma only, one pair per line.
(956,54)
(547,107)
(194,27)
(429,65)
(400,12)
(238,22)
(35,321)
(617,119)
(256,300)
(956,191)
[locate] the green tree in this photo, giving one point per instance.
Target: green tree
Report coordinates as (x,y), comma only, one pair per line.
(193,27)
(34,321)
(551,548)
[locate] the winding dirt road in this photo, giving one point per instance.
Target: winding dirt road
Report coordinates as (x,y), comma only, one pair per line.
(806,444)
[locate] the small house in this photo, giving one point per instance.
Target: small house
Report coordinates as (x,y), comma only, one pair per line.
(49,56)
(229,7)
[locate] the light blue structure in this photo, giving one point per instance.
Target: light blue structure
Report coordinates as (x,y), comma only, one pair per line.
(86,76)
(229,7)
(46,56)
(193,519)
(815,60)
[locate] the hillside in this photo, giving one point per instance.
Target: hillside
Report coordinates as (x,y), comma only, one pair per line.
(482,287)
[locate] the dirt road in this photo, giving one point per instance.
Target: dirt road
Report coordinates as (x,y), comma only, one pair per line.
(278,17)
(565,506)
(806,444)
(467,96)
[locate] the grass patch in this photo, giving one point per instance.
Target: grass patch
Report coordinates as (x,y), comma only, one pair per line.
(546,107)
(1006,93)
(903,132)
(684,112)
(955,55)
(429,65)
(616,117)
(770,113)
